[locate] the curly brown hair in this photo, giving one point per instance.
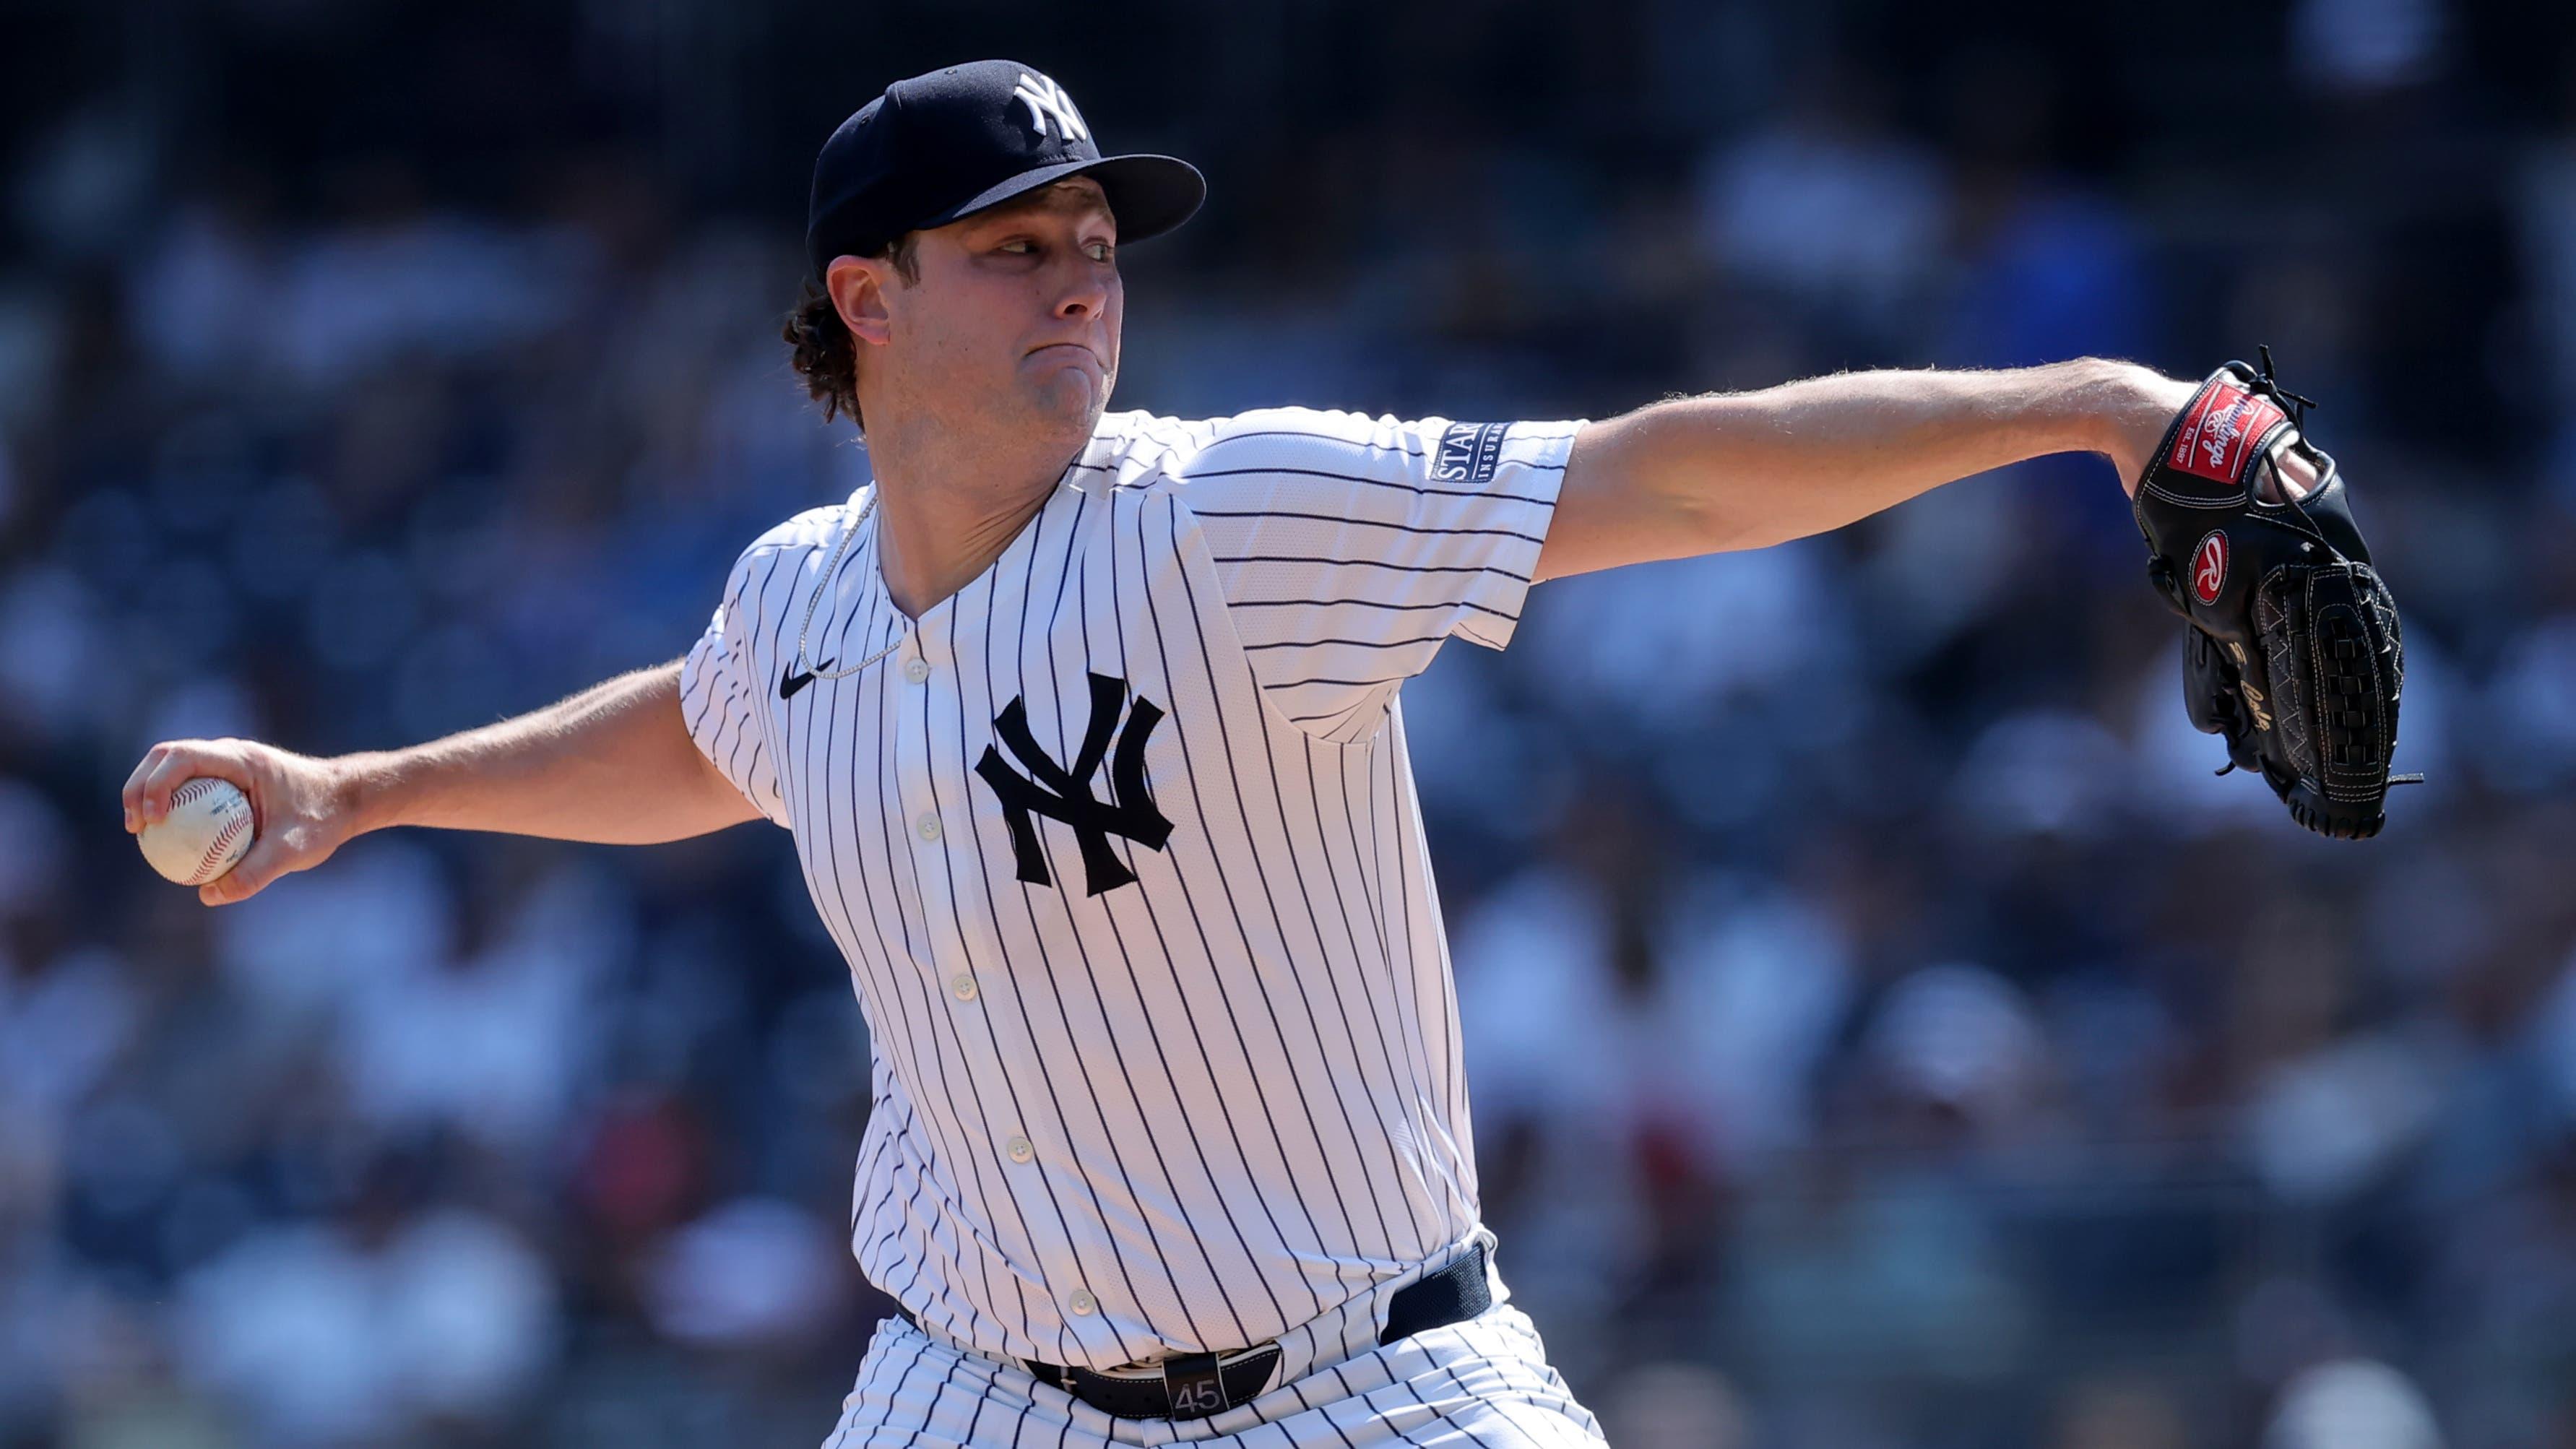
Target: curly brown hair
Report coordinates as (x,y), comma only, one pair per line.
(819,342)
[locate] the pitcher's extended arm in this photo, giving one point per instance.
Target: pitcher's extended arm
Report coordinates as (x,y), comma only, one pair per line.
(613,763)
(1746,470)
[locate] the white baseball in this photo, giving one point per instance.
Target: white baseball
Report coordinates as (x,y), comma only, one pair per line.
(205,833)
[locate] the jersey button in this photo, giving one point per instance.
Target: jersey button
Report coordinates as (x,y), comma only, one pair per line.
(962,986)
(916,670)
(927,826)
(1082,1302)
(1021,1151)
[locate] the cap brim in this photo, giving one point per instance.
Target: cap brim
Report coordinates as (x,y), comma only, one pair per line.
(1148,194)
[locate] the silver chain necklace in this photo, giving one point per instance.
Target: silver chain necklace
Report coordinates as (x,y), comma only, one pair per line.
(831,569)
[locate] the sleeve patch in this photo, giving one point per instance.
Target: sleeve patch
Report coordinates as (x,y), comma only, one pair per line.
(1469,453)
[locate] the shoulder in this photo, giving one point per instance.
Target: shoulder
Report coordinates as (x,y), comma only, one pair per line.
(1255,458)
(1155,452)
(1135,449)
(787,551)
(1283,436)
(809,532)
(812,529)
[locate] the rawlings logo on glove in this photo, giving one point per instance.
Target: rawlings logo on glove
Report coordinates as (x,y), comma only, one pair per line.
(2209,567)
(2292,651)
(2211,438)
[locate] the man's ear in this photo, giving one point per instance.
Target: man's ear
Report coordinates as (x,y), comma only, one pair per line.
(858,287)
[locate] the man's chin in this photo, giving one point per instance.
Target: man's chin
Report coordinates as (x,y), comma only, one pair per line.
(1075,397)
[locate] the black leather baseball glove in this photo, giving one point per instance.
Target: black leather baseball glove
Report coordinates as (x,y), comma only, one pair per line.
(2292,651)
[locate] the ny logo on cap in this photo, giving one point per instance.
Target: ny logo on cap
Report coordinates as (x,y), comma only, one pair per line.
(1045,98)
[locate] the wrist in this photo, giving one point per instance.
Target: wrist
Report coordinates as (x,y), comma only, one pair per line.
(365,792)
(2127,410)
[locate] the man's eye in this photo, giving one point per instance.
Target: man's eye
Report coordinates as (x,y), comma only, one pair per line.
(1100,251)
(1022,247)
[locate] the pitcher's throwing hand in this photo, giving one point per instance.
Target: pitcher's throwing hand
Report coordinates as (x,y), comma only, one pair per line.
(298,806)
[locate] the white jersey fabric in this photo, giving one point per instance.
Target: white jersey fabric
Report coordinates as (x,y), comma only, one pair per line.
(1121,846)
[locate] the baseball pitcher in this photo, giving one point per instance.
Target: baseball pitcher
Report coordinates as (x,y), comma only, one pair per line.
(1086,726)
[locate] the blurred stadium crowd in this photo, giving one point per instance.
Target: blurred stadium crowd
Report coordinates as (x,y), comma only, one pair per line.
(1883,1029)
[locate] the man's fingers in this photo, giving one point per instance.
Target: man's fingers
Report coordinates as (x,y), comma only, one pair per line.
(266,861)
(176,765)
(186,761)
(2294,473)
(133,792)
(172,763)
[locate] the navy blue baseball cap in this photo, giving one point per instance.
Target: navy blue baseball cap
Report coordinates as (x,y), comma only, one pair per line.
(937,147)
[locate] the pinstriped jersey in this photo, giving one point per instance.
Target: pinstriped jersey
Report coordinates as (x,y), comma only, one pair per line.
(1121,846)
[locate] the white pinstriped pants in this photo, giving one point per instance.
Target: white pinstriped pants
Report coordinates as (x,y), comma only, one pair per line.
(1481,1384)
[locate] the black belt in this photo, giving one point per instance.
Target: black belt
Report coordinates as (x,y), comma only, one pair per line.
(1195,1385)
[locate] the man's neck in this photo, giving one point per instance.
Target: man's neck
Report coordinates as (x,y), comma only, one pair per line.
(944,515)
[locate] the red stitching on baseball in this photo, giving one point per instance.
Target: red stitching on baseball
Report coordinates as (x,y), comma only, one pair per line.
(223,838)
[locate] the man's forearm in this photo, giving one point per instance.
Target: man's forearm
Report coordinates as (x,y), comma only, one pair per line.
(613,764)
(1831,450)
(1745,470)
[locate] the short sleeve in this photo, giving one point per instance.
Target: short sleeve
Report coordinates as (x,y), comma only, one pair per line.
(720,693)
(1350,548)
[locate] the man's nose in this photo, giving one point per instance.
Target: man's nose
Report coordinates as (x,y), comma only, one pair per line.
(1084,294)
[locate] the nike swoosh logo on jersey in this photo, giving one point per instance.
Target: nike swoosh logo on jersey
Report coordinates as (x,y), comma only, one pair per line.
(789,681)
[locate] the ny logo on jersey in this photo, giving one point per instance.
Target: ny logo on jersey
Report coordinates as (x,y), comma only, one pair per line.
(1045,98)
(1064,794)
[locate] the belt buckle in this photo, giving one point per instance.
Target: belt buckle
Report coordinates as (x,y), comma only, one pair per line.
(1195,1385)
